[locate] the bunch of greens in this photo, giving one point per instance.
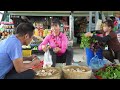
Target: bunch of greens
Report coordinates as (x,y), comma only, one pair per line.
(109,72)
(85,42)
(95,45)
(88,42)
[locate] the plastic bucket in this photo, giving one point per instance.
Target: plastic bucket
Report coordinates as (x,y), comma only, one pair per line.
(89,55)
(99,53)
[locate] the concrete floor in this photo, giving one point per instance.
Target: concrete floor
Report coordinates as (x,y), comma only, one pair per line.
(77,55)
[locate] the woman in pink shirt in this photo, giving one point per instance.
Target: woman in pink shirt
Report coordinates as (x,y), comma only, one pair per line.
(58,43)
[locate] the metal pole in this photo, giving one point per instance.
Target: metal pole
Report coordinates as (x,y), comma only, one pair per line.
(71,25)
(96,17)
(103,16)
(90,20)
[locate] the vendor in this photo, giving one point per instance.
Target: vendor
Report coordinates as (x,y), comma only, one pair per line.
(110,38)
(58,43)
(11,59)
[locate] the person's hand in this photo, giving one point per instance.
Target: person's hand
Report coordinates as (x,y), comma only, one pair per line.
(88,34)
(36,62)
(34,56)
(56,50)
(45,48)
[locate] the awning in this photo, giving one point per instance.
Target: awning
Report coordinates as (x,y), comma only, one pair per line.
(56,13)
(40,13)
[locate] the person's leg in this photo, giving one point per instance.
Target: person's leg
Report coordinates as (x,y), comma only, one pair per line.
(69,56)
(118,55)
(28,74)
(61,59)
(108,55)
(54,57)
(66,57)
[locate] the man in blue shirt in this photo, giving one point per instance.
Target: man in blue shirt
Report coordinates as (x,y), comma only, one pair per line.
(11,59)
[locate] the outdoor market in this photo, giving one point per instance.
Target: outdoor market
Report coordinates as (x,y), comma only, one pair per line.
(59,45)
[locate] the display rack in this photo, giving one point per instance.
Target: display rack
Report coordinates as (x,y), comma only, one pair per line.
(7,29)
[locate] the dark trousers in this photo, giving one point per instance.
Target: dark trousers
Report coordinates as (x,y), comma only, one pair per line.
(29,74)
(66,57)
(109,55)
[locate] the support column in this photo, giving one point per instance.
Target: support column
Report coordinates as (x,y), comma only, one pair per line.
(71,26)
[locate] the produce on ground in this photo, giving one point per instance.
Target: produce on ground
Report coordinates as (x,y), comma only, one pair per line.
(109,72)
(45,72)
(76,70)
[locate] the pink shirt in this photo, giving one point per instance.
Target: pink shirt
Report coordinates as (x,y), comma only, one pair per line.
(60,41)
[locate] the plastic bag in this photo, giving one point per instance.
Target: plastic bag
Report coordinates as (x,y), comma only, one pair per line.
(47,59)
(96,63)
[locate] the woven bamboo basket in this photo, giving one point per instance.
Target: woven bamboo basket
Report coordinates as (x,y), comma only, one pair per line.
(77,75)
(55,75)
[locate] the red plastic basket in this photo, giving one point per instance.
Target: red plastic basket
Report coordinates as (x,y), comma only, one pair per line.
(98,77)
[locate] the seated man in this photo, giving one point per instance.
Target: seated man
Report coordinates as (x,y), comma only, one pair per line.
(58,43)
(11,59)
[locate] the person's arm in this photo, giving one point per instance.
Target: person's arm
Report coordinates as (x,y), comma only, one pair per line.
(15,53)
(29,58)
(45,42)
(102,39)
(64,44)
(21,67)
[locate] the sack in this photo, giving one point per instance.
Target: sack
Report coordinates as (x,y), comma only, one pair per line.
(96,63)
(47,59)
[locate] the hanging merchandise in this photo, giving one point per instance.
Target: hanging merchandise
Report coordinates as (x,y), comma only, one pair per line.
(118,35)
(98,24)
(116,24)
(41,32)
(36,32)
(6,29)
(45,32)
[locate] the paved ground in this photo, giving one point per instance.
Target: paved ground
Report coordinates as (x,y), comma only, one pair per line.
(77,57)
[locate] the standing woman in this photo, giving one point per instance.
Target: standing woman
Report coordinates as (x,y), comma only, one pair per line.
(110,38)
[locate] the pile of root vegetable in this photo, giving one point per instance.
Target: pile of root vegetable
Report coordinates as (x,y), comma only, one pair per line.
(46,72)
(76,70)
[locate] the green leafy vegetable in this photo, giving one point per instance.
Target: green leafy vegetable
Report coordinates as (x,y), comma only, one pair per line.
(85,41)
(109,72)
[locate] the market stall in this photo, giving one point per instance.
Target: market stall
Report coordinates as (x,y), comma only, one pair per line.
(42,22)
(43,28)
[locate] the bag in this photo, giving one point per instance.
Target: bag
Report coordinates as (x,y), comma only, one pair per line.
(96,63)
(47,59)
